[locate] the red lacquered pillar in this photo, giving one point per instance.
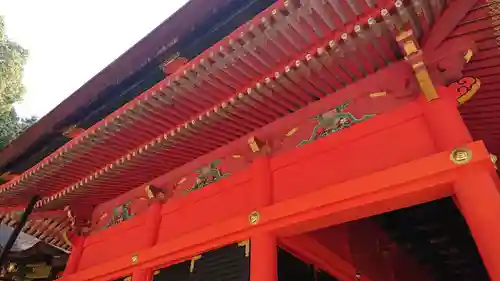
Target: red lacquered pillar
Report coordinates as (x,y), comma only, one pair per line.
(142,275)
(479,200)
(263,247)
(263,258)
(445,123)
(76,254)
(151,230)
(476,193)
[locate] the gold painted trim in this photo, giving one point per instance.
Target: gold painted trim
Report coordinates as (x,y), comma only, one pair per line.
(66,240)
(245,244)
(403,35)
(460,156)
(292,131)
(149,192)
(470,92)
(193,261)
(410,47)
(426,85)
(378,94)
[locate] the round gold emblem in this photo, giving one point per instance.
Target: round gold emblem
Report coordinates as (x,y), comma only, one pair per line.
(460,156)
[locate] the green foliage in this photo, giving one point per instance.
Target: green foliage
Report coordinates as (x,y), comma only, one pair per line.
(12,60)
(12,126)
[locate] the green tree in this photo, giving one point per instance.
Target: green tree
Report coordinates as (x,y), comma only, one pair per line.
(12,60)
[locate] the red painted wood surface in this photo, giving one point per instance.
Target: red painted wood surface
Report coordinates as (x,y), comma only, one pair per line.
(407,184)
(235,194)
(392,161)
(146,119)
(238,194)
(481,113)
(123,239)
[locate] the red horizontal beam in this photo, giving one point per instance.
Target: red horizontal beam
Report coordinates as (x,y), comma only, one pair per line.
(409,184)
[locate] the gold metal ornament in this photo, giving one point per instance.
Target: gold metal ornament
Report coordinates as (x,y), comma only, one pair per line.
(135,258)
(12,267)
(494,159)
(468,56)
(245,244)
(254,218)
(193,262)
(291,132)
(460,156)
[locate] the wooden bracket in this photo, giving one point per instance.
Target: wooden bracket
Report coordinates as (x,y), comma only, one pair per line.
(256,145)
(155,193)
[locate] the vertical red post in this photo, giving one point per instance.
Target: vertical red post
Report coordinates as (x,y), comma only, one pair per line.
(142,275)
(479,200)
(445,122)
(152,227)
(476,193)
(76,254)
(263,258)
(263,247)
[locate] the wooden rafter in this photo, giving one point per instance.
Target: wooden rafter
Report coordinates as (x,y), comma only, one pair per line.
(447,23)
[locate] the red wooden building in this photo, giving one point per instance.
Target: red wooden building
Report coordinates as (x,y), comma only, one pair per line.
(278,141)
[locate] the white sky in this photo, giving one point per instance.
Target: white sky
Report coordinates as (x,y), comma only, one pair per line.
(71,41)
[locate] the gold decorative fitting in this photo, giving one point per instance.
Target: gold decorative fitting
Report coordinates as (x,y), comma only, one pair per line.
(410,48)
(413,54)
(378,94)
(460,156)
(494,160)
(135,258)
(254,218)
(426,85)
(66,240)
(255,144)
(245,244)
(156,272)
(292,131)
(193,261)
(403,35)
(12,267)
(468,56)
(466,87)
(128,278)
